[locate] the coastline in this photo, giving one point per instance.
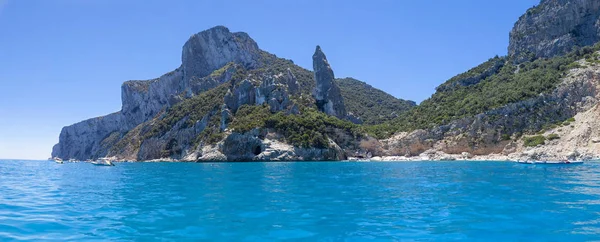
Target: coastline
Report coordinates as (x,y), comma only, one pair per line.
(438,156)
(491,157)
(525,156)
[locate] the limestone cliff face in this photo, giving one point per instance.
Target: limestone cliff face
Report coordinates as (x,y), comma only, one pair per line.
(211,49)
(580,140)
(551,29)
(141,100)
(482,134)
(181,142)
(327,94)
(554,27)
(185,114)
(250,146)
(90,138)
(274,90)
(202,54)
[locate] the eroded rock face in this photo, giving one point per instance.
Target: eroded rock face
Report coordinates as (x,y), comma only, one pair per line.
(327,94)
(243,93)
(203,54)
(255,146)
(197,85)
(272,90)
(226,117)
(242,147)
(483,133)
(292,82)
(142,100)
(176,143)
(211,49)
(554,27)
(91,138)
(578,141)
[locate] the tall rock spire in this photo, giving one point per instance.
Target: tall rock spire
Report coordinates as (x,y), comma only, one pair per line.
(326,93)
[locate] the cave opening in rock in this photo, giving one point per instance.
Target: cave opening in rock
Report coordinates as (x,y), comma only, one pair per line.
(257,150)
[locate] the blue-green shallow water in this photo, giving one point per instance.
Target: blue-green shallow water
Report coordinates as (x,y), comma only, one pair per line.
(41,200)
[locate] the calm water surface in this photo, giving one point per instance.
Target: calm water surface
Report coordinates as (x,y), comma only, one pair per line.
(41,200)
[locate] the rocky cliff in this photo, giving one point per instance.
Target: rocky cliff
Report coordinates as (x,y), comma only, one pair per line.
(504,130)
(202,54)
(528,105)
(90,138)
(327,94)
(210,50)
(554,27)
(231,101)
(227,101)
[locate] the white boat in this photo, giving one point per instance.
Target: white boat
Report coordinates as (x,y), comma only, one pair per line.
(58,160)
(563,162)
(103,162)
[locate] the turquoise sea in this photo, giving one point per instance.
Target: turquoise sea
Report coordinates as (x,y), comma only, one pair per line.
(316,201)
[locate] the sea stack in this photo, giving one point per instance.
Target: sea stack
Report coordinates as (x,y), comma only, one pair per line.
(326,93)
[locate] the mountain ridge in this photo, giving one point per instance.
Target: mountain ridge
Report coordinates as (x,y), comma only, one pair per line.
(149,125)
(231,101)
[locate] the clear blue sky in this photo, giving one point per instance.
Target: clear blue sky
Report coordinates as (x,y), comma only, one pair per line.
(63,61)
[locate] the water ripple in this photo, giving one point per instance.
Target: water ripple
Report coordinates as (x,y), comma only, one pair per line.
(301,201)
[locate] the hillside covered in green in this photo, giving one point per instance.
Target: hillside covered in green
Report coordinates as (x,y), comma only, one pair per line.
(231,101)
(511,83)
(372,105)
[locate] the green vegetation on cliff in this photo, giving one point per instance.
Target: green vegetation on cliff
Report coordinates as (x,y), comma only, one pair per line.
(372,105)
(308,129)
(511,84)
(194,109)
(312,128)
(249,117)
(534,141)
(491,85)
(274,65)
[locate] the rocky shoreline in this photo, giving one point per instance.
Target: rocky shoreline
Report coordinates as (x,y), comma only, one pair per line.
(437,156)
(492,157)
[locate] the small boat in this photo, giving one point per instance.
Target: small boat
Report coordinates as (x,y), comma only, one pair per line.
(58,160)
(103,162)
(562,162)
